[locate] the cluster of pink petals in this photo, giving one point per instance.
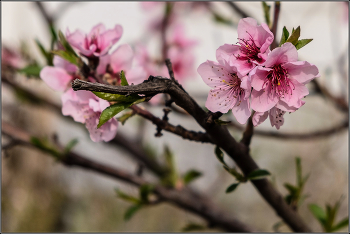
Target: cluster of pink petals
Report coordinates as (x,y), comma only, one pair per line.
(276,79)
(97,42)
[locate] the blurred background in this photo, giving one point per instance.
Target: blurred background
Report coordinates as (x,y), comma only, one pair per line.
(41,195)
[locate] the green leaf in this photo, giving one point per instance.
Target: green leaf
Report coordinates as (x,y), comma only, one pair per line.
(298,171)
(116,97)
(291,188)
(220,19)
(277,225)
(67,56)
(258,174)
(145,190)
(70,145)
(285,35)
(220,155)
(193,227)
(131,211)
(221,122)
(235,173)
(48,56)
(232,187)
(53,36)
(266,9)
(46,146)
(127,197)
(301,43)
(31,70)
(172,176)
(113,110)
(65,44)
(319,213)
(123,82)
(295,36)
(341,224)
(122,119)
(191,175)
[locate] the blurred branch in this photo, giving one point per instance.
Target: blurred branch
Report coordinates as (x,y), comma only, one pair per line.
(249,130)
(219,134)
(274,25)
(48,18)
(237,9)
(184,199)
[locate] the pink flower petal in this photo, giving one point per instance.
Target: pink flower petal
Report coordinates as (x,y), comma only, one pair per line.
(257,76)
(263,101)
(301,71)
(242,111)
(299,92)
(219,100)
(225,51)
(286,53)
(259,117)
(96,30)
(121,58)
(64,64)
(55,77)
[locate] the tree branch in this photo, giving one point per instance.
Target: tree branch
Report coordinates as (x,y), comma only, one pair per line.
(237,9)
(274,25)
(219,134)
(248,133)
(184,199)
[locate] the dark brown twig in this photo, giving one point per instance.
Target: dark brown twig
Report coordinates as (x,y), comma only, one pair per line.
(184,199)
(170,69)
(248,133)
(219,134)
(237,9)
(274,25)
(178,130)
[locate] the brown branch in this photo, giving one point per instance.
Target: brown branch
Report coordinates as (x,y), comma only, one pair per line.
(48,19)
(177,130)
(248,133)
(238,9)
(274,25)
(219,134)
(184,199)
(170,69)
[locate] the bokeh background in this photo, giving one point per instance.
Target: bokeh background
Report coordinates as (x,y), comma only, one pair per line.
(41,195)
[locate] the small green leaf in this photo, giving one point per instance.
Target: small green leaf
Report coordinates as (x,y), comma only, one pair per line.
(291,188)
(48,56)
(285,35)
(220,155)
(221,122)
(145,190)
(232,187)
(67,56)
(53,36)
(193,227)
(191,175)
(122,119)
(131,211)
(235,173)
(172,176)
(116,97)
(31,70)
(66,45)
(113,110)
(319,213)
(123,82)
(46,146)
(127,197)
(266,9)
(70,145)
(277,225)
(258,174)
(341,224)
(301,43)
(295,36)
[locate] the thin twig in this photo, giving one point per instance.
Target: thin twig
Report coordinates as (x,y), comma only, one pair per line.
(170,69)
(184,199)
(274,25)
(248,133)
(48,19)
(238,9)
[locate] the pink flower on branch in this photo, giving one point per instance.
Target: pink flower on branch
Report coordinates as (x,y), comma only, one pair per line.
(230,91)
(86,108)
(97,42)
(281,81)
(275,114)
(253,45)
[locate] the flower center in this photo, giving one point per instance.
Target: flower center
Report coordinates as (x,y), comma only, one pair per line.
(249,50)
(234,85)
(279,82)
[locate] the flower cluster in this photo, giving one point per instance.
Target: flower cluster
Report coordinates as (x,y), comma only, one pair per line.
(250,76)
(84,106)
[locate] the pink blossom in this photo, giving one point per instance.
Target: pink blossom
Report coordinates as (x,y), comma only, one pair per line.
(11,58)
(177,37)
(253,48)
(275,114)
(281,81)
(97,42)
(86,108)
(182,62)
(230,90)
(121,59)
(59,76)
